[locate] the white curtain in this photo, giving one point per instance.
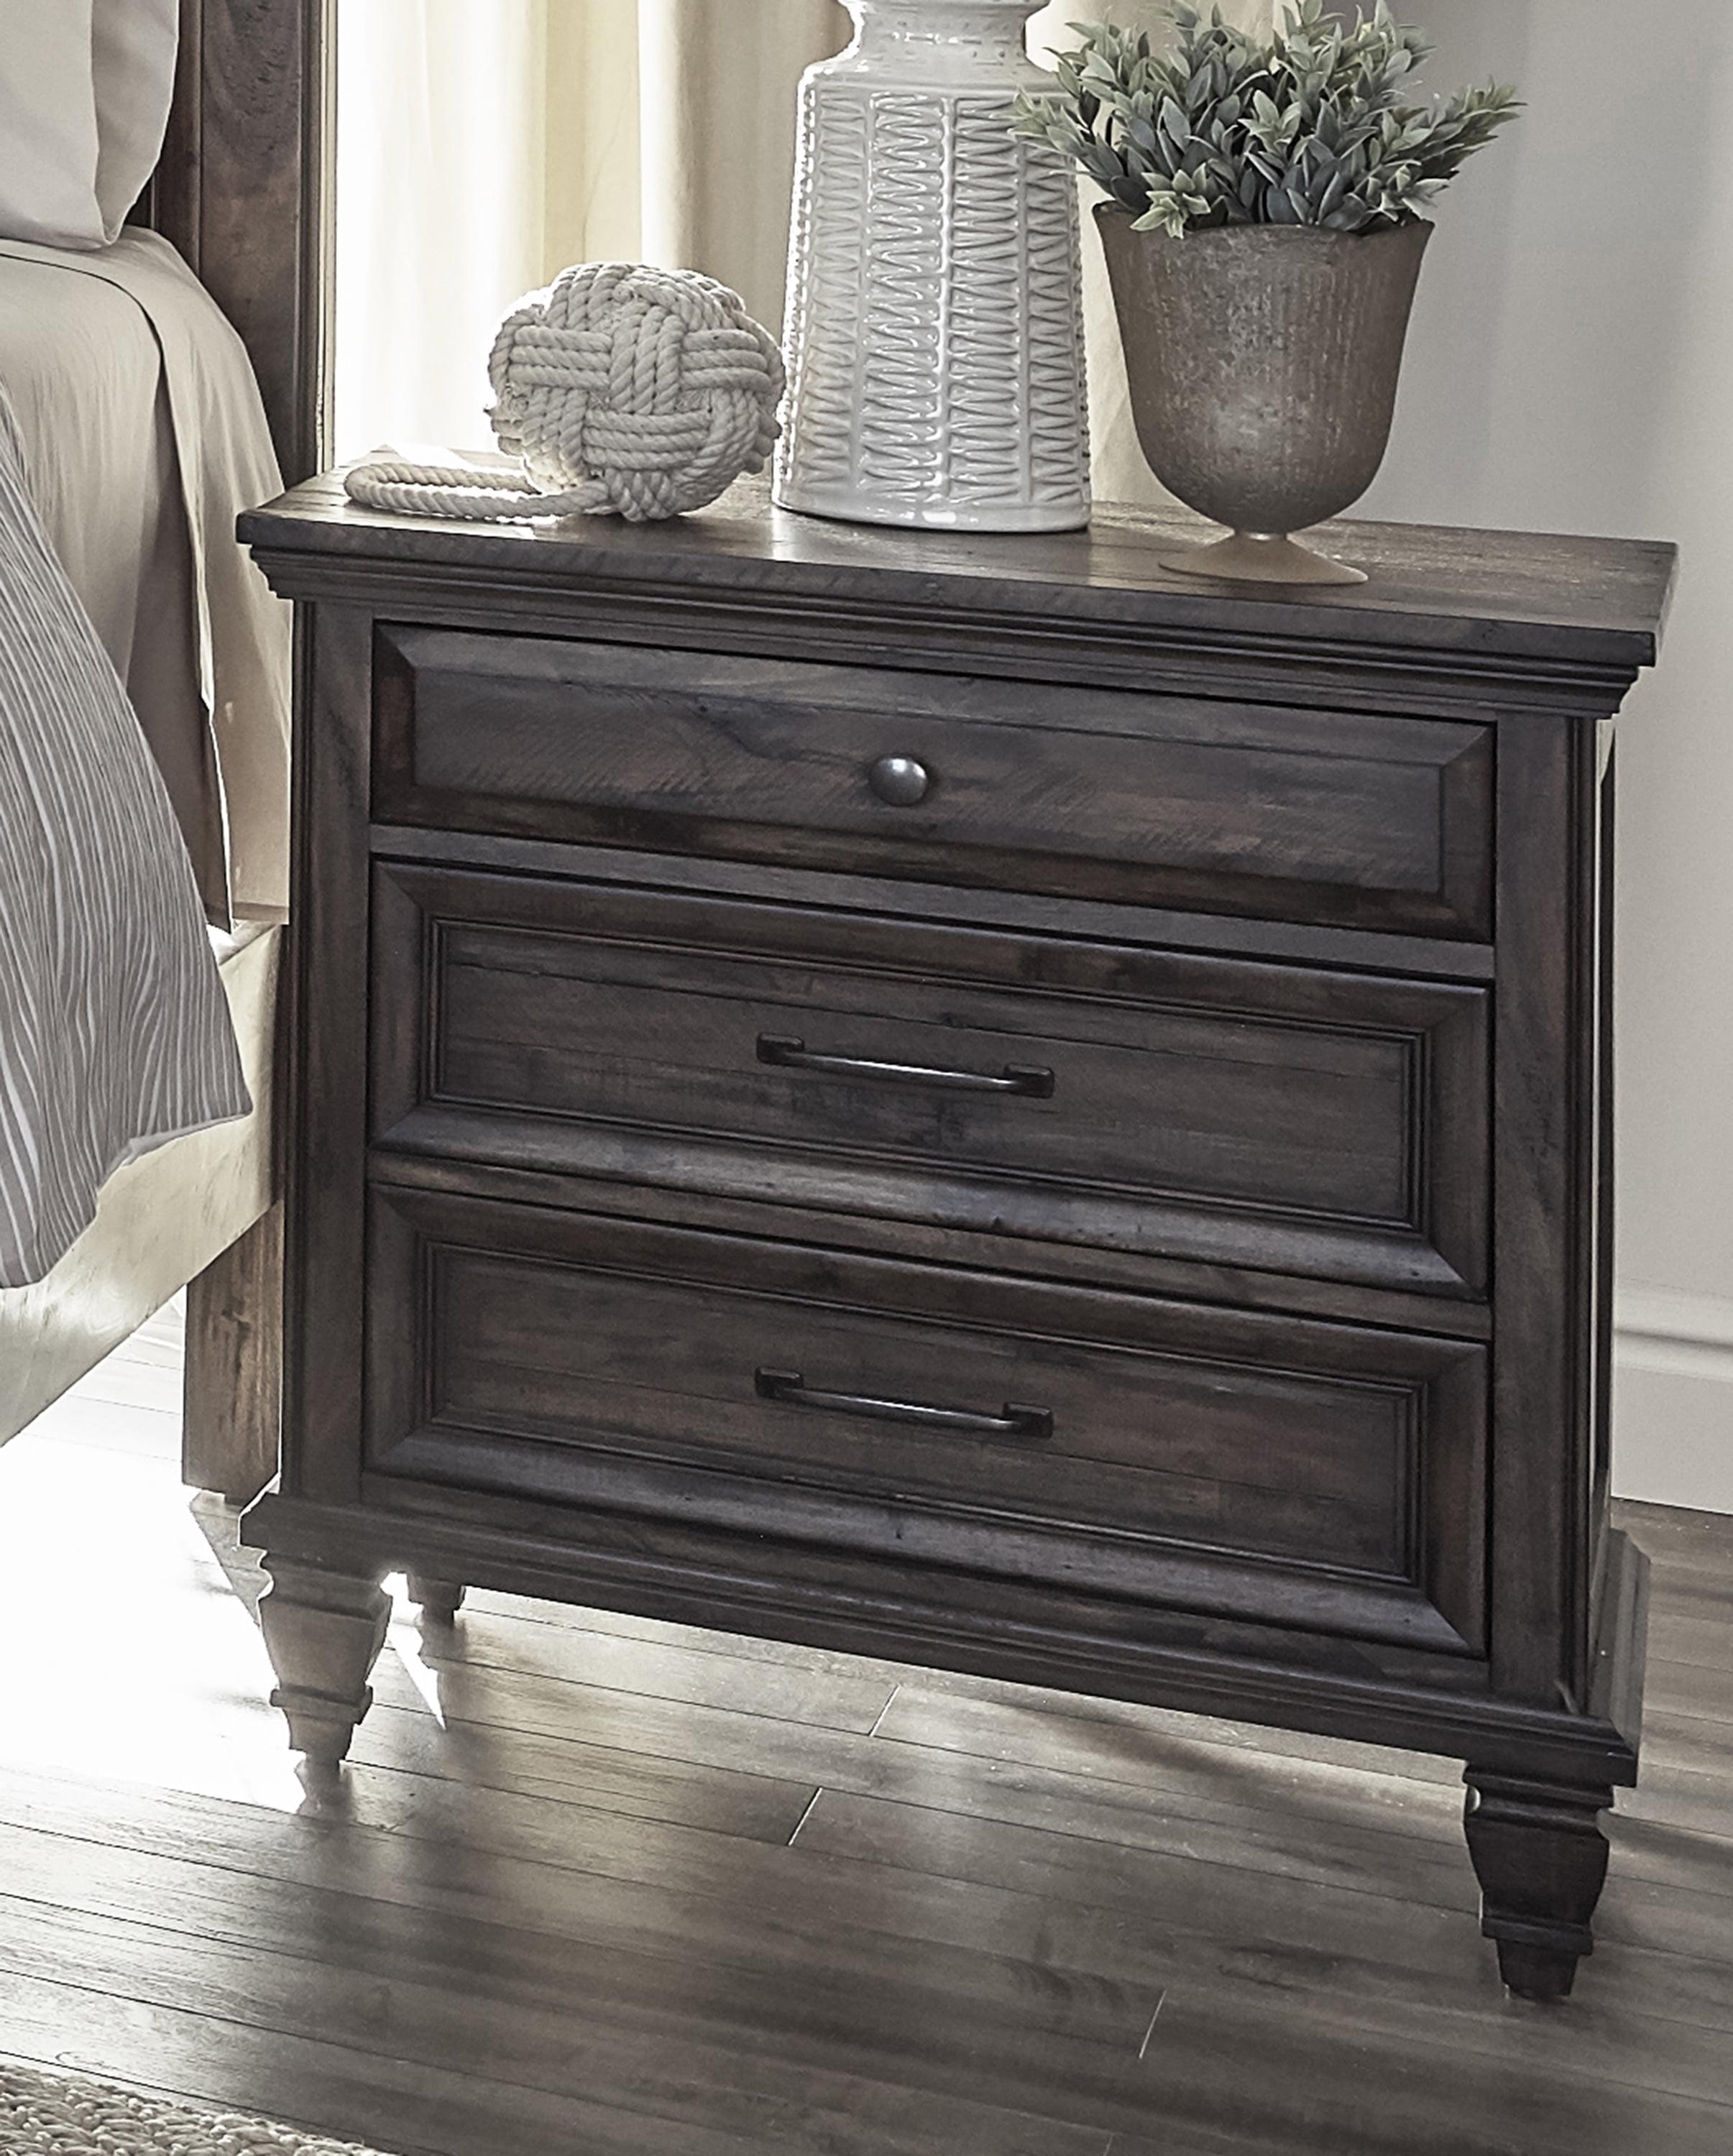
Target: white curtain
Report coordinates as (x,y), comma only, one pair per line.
(671,132)
(482,145)
(718,144)
(441,216)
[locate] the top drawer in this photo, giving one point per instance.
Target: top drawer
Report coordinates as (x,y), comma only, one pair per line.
(1337,818)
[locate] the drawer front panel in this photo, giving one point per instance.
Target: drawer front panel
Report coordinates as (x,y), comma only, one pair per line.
(1273,1117)
(1160,1450)
(1329,817)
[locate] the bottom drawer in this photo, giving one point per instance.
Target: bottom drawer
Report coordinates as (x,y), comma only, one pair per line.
(1310,1474)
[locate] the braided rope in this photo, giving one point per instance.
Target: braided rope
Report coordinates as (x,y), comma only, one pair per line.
(625,390)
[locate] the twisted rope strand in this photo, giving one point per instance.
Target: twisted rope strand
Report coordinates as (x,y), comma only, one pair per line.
(625,390)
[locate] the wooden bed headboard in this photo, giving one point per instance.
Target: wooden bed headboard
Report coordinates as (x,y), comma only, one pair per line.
(244,190)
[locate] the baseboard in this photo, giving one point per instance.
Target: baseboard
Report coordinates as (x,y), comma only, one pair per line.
(1672,1400)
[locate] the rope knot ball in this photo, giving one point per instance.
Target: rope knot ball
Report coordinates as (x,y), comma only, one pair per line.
(648,391)
(625,390)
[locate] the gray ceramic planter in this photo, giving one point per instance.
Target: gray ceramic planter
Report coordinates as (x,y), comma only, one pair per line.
(1263,363)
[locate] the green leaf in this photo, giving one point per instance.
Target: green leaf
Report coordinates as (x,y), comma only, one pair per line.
(1306,125)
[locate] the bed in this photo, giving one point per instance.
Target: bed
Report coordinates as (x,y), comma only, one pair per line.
(240,194)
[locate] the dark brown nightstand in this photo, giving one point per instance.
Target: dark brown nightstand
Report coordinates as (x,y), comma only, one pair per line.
(976,1102)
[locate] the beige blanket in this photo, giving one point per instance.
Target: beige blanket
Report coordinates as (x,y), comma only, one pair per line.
(142,439)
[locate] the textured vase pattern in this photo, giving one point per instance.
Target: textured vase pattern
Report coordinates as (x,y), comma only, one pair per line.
(934,335)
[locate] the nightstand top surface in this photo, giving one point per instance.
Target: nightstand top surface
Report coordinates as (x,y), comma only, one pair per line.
(1600,603)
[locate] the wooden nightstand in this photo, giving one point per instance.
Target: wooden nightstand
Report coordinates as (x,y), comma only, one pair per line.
(978,1102)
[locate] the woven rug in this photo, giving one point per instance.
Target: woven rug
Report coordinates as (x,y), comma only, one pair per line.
(64,2115)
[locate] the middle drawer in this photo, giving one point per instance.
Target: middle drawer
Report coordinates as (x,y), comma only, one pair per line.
(1277,1118)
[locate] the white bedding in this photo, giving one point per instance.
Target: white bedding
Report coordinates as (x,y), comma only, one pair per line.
(115,1033)
(130,435)
(143,438)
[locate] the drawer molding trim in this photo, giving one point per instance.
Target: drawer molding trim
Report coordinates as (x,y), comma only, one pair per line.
(1225,1112)
(1345,818)
(1264,1470)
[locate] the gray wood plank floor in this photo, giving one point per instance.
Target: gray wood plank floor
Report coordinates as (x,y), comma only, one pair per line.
(598,1887)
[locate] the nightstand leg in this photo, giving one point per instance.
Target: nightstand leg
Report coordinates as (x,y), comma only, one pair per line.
(323,1631)
(439,1600)
(1541,1856)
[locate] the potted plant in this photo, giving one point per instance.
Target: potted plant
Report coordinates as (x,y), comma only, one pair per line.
(1264,235)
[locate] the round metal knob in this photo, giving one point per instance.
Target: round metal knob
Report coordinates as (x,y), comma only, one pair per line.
(900,781)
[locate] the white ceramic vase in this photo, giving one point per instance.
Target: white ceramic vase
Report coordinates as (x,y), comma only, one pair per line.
(935,325)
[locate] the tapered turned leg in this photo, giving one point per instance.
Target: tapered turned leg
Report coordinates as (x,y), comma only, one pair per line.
(323,1631)
(439,1600)
(1541,1859)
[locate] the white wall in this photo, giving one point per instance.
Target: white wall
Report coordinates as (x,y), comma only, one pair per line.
(1572,369)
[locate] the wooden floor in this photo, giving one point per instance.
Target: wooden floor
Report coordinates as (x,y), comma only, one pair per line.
(598,1887)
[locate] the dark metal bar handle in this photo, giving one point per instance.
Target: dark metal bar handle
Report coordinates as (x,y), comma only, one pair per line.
(1024,1080)
(792,1390)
